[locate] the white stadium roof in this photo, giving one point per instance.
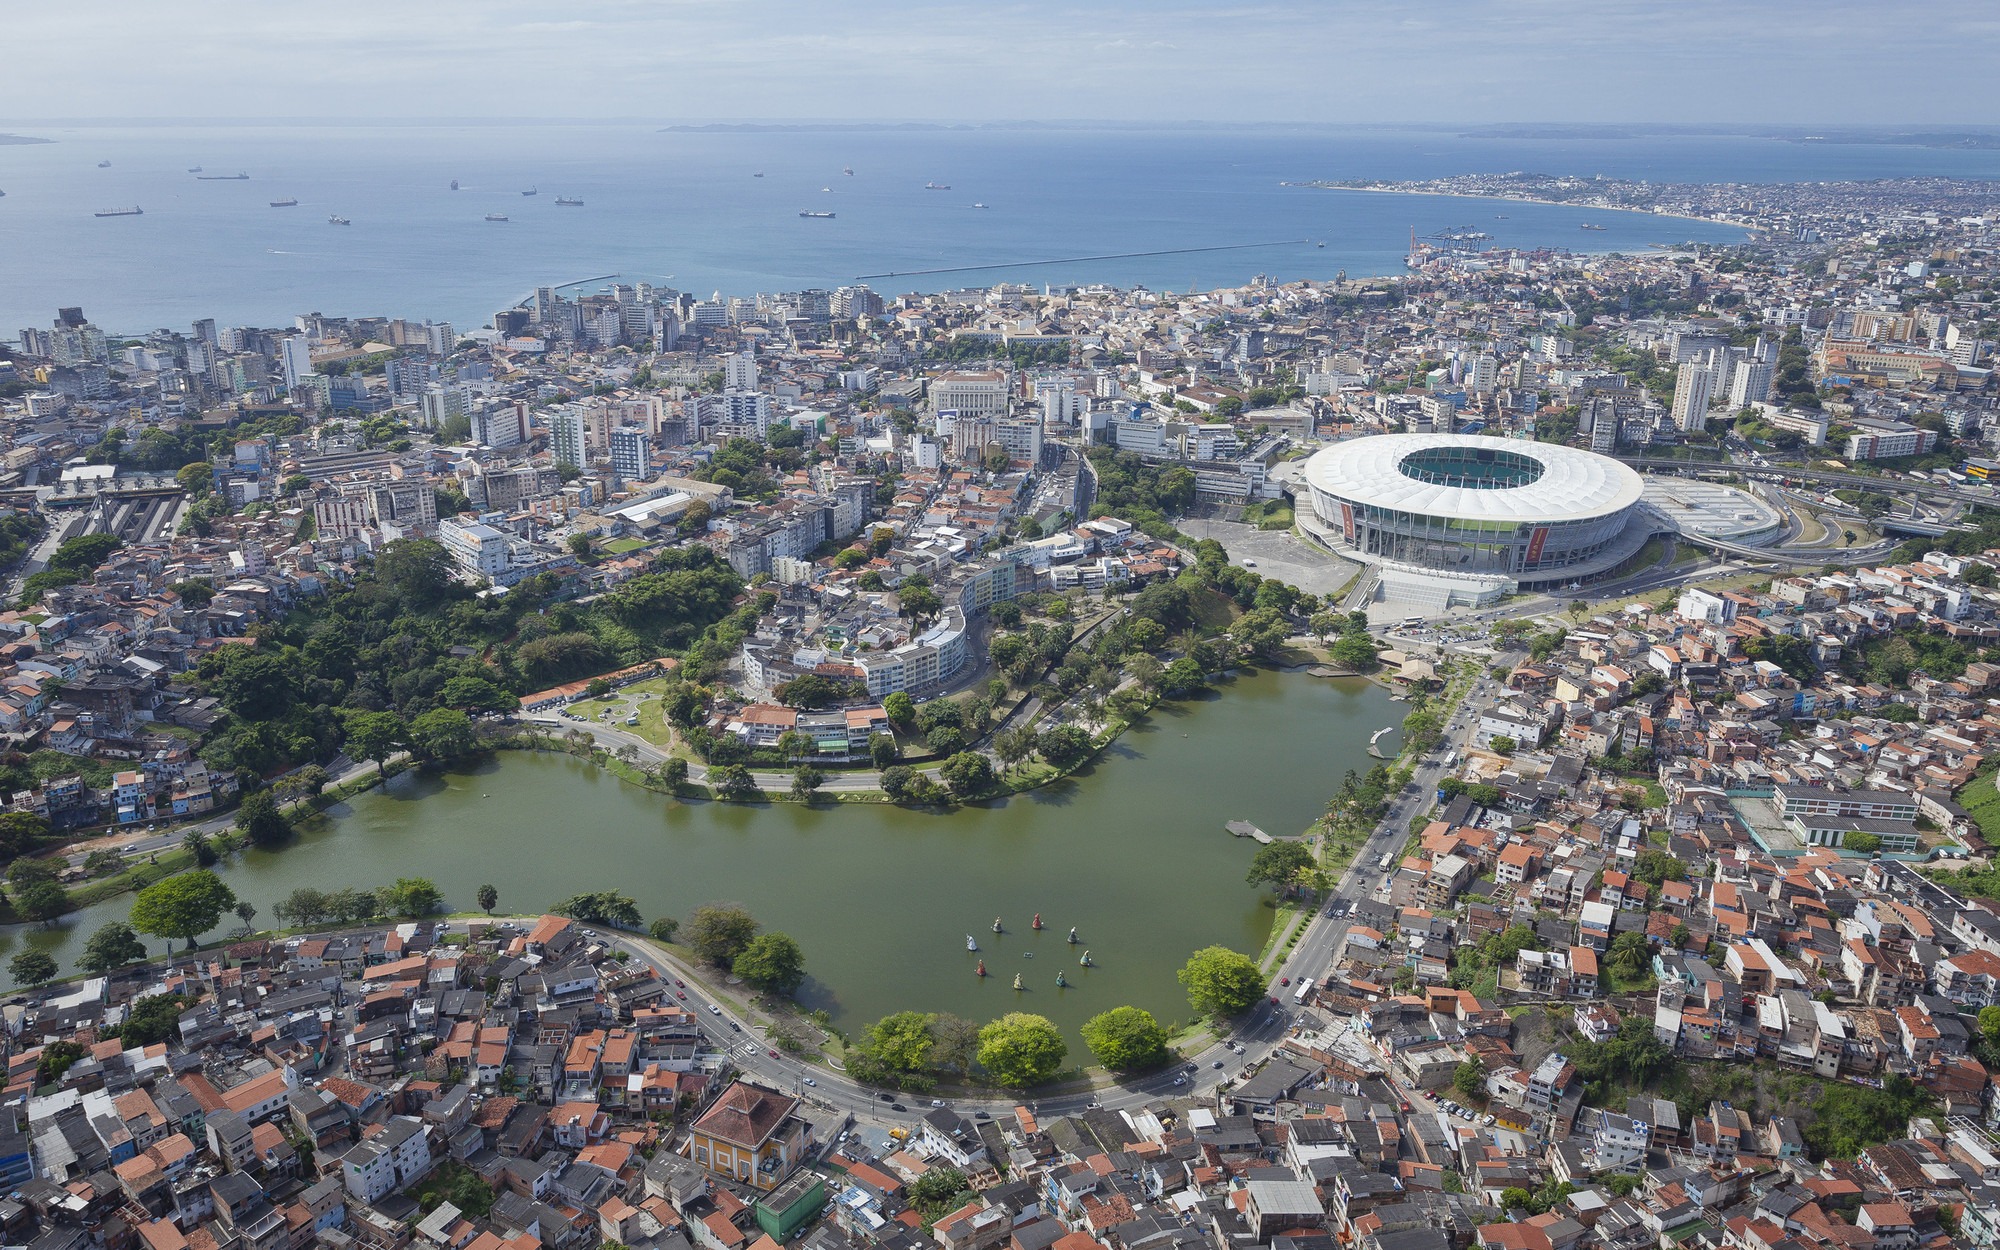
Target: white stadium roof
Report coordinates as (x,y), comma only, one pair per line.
(1574,484)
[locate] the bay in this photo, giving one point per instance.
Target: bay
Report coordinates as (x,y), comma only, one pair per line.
(685,209)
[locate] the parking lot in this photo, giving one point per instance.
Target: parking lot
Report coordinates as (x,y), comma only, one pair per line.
(1277,553)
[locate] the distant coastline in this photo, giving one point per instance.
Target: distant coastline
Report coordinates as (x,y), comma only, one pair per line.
(13,140)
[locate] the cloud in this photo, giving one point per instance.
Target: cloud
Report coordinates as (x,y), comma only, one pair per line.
(1308,61)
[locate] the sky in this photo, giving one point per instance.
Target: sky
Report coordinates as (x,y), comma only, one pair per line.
(1305,61)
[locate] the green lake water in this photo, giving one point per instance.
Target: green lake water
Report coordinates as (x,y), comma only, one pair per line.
(1131,851)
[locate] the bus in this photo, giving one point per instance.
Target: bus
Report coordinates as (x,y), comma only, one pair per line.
(1388,858)
(1304,991)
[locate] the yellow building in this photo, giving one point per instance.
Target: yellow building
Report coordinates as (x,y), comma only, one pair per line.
(751,1135)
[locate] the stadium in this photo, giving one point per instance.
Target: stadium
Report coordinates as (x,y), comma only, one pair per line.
(1487,516)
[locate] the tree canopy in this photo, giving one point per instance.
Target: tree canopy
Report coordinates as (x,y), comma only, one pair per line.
(1126,1039)
(1221,982)
(185,905)
(1021,1049)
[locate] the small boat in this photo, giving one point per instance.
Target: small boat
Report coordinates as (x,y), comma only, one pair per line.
(813,214)
(1037,926)
(1018,984)
(970,944)
(758,174)
(1589,225)
(1072,935)
(978,205)
(826,189)
(996,925)
(134,211)
(1499,216)
(239,177)
(1062,982)
(496,216)
(847,170)
(454,184)
(937,186)
(284,203)
(980,971)
(195,170)
(568,201)
(1319,245)
(335,219)
(104,164)
(531,191)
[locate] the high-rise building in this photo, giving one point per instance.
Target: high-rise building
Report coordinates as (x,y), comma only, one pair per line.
(566,440)
(1693,389)
(739,372)
(204,331)
(295,358)
(1484,373)
(631,453)
(1750,383)
(439,338)
(503,423)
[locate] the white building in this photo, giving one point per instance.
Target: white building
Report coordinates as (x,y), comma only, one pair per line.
(479,549)
(972,393)
(295,358)
(566,435)
(1693,389)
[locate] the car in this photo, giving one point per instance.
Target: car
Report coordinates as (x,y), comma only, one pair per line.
(1284,980)
(590,933)
(1274,1000)
(1249,564)
(886,1097)
(681,983)
(1487,1119)
(811,1082)
(681,994)
(1216,1064)
(937,1102)
(897,1106)
(714,1010)
(772,1053)
(1180,1080)
(981,1115)
(1406,1106)
(735,1026)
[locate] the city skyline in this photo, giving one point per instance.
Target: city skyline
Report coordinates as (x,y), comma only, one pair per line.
(693,60)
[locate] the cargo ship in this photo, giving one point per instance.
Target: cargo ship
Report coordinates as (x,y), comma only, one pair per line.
(568,201)
(222,177)
(937,186)
(496,216)
(284,203)
(335,219)
(134,211)
(810,213)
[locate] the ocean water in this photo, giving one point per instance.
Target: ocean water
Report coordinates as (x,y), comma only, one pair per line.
(685,209)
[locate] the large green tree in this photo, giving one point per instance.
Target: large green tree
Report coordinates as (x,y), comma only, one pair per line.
(374,735)
(719,932)
(442,733)
(261,821)
(185,906)
(113,946)
(1281,865)
(1221,982)
(1021,1049)
(1126,1039)
(410,897)
(773,962)
(902,1042)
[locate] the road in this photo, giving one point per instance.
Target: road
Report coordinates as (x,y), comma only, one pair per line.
(1258,1034)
